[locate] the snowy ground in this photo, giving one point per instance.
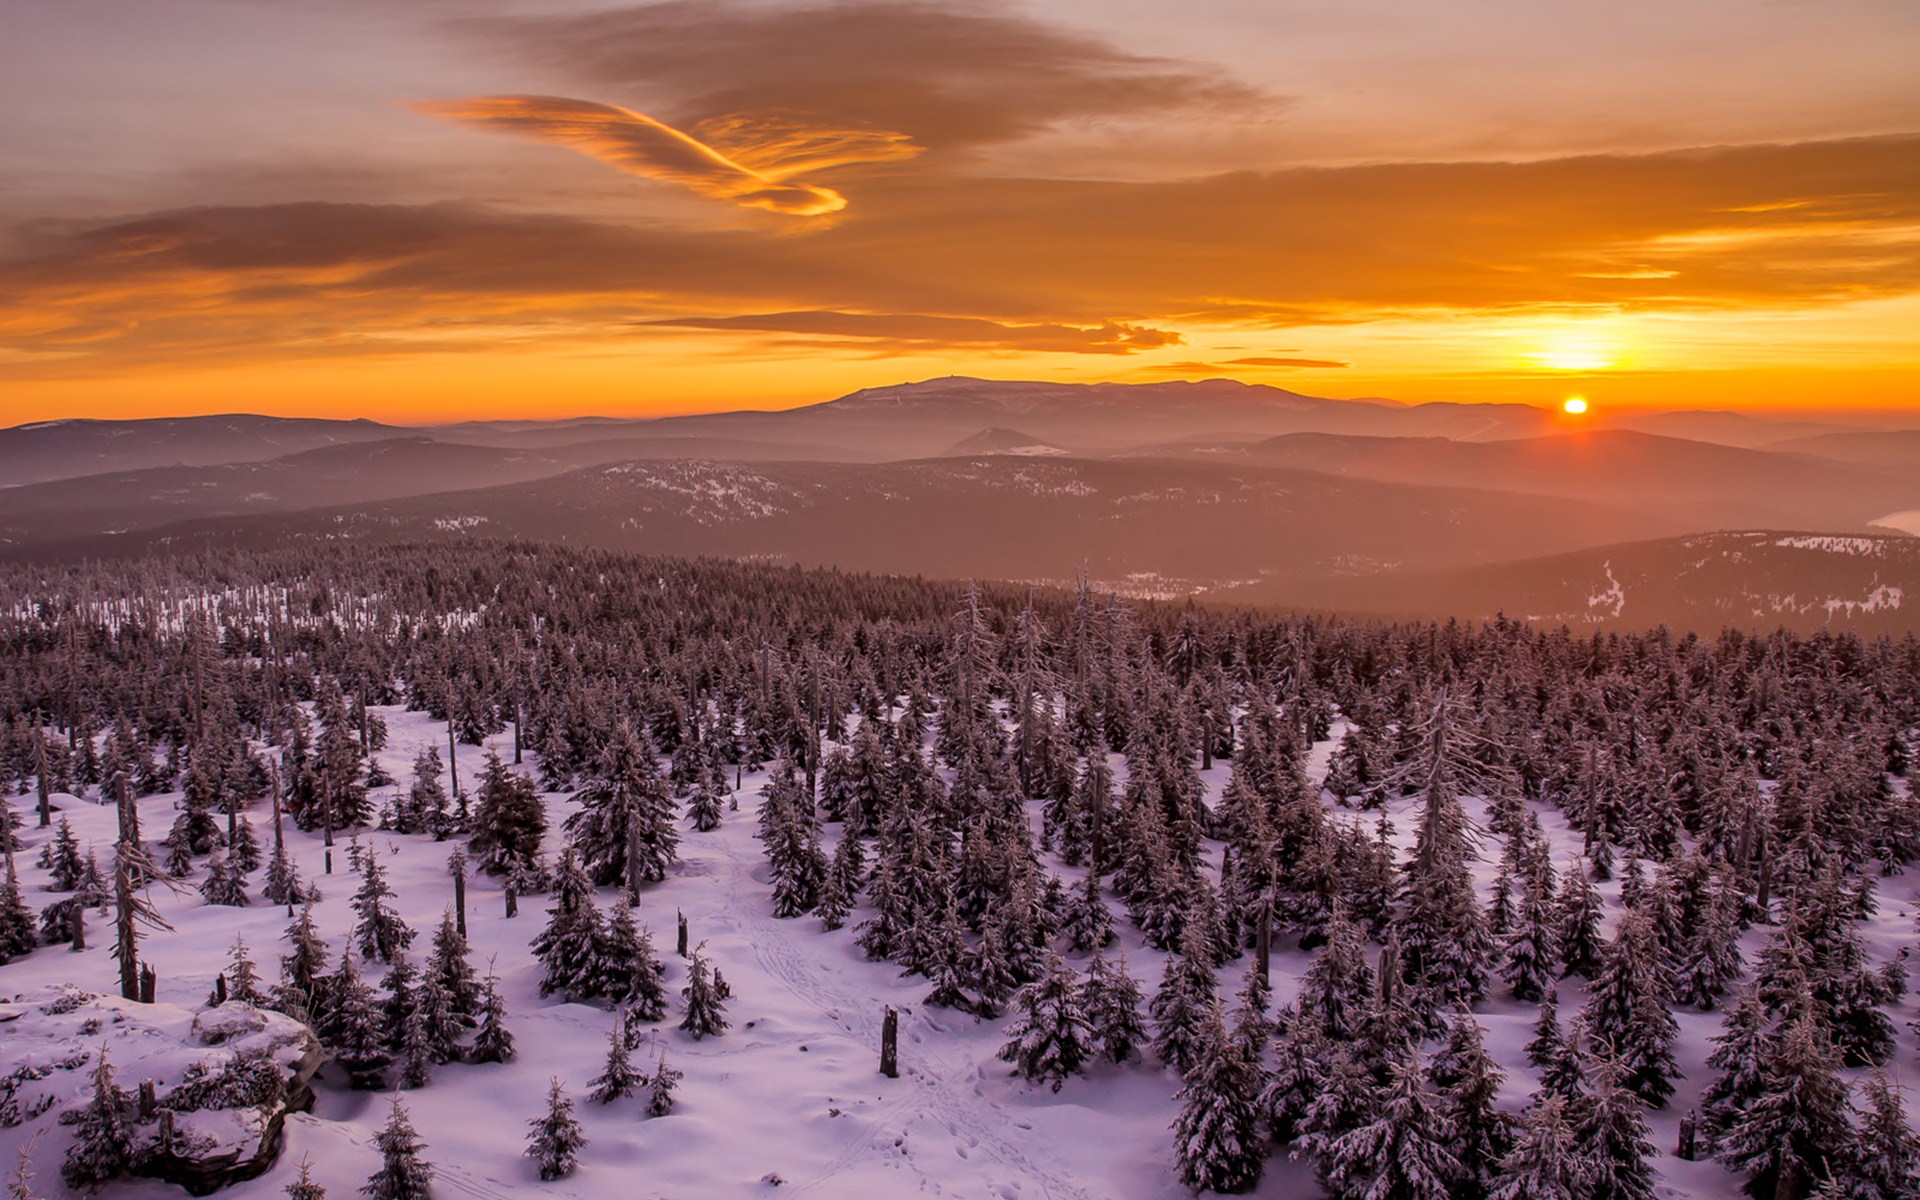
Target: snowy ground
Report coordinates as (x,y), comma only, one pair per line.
(792,1089)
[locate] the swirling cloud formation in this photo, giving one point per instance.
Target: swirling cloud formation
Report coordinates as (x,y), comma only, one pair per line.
(750,159)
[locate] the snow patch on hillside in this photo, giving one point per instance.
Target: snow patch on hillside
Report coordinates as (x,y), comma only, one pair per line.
(1861,546)
(1613,598)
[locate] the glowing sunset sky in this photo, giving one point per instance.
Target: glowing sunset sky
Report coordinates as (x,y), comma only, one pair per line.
(422,209)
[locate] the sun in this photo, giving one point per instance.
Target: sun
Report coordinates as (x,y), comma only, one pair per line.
(1575,405)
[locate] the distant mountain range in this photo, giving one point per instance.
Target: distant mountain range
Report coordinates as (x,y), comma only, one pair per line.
(1225,490)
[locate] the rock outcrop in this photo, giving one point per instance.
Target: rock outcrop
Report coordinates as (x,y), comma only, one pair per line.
(208,1091)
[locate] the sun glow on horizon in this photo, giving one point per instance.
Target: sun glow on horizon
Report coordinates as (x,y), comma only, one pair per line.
(1574,406)
(1577,353)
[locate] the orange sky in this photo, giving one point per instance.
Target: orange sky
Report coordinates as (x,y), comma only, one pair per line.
(479,208)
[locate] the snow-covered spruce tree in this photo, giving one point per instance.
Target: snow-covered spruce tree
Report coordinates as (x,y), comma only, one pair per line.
(945,959)
(1482,1132)
(1404,1152)
(17,932)
(304,968)
(630,968)
(62,858)
(444,1027)
(1544,1163)
(570,946)
(340,759)
(1798,1130)
(1710,962)
(1180,1005)
(1739,1053)
(1565,1073)
(448,966)
(556,1140)
(706,1015)
(355,1028)
(403,1174)
(415,1053)
(706,804)
(1216,1135)
(1444,944)
(102,1147)
(1338,983)
(836,893)
(1111,999)
(1294,1079)
(1547,1043)
(1579,908)
(1088,922)
(1050,1037)
(624,831)
(991,970)
(1250,1025)
(1629,1008)
(492,1041)
(281,885)
(400,1001)
(1611,1130)
(243,977)
(1531,957)
(379,931)
(1886,1159)
(1344,1099)
(243,849)
(303,1187)
(424,808)
(223,885)
(179,848)
(660,1090)
(618,1079)
(508,820)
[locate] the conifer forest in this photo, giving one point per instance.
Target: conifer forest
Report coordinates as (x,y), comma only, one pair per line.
(485,868)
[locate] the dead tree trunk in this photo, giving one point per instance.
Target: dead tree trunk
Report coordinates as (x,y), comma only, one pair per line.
(458,865)
(890,1044)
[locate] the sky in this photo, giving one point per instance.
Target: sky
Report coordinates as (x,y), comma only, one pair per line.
(451,209)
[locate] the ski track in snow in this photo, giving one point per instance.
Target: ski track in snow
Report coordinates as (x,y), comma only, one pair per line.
(937,1082)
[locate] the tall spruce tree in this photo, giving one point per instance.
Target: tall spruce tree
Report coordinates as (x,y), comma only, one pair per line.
(1611,1130)
(1050,1036)
(624,831)
(1886,1161)
(508,820)
(1544,1163)
(1404,1152)
(380,931)
(1798,1130)
(1216,1135)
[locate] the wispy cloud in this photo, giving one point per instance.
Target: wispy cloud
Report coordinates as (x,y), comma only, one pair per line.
(916,331)
(951,75)
(745,158)
(1284,362)
(1229,366)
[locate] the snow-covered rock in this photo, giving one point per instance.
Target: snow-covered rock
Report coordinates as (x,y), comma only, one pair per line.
(224,1079)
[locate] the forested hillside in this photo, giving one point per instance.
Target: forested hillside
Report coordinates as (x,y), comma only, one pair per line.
(620,871)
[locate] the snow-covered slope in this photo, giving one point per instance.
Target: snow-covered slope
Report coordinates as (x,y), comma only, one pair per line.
(791,1090)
